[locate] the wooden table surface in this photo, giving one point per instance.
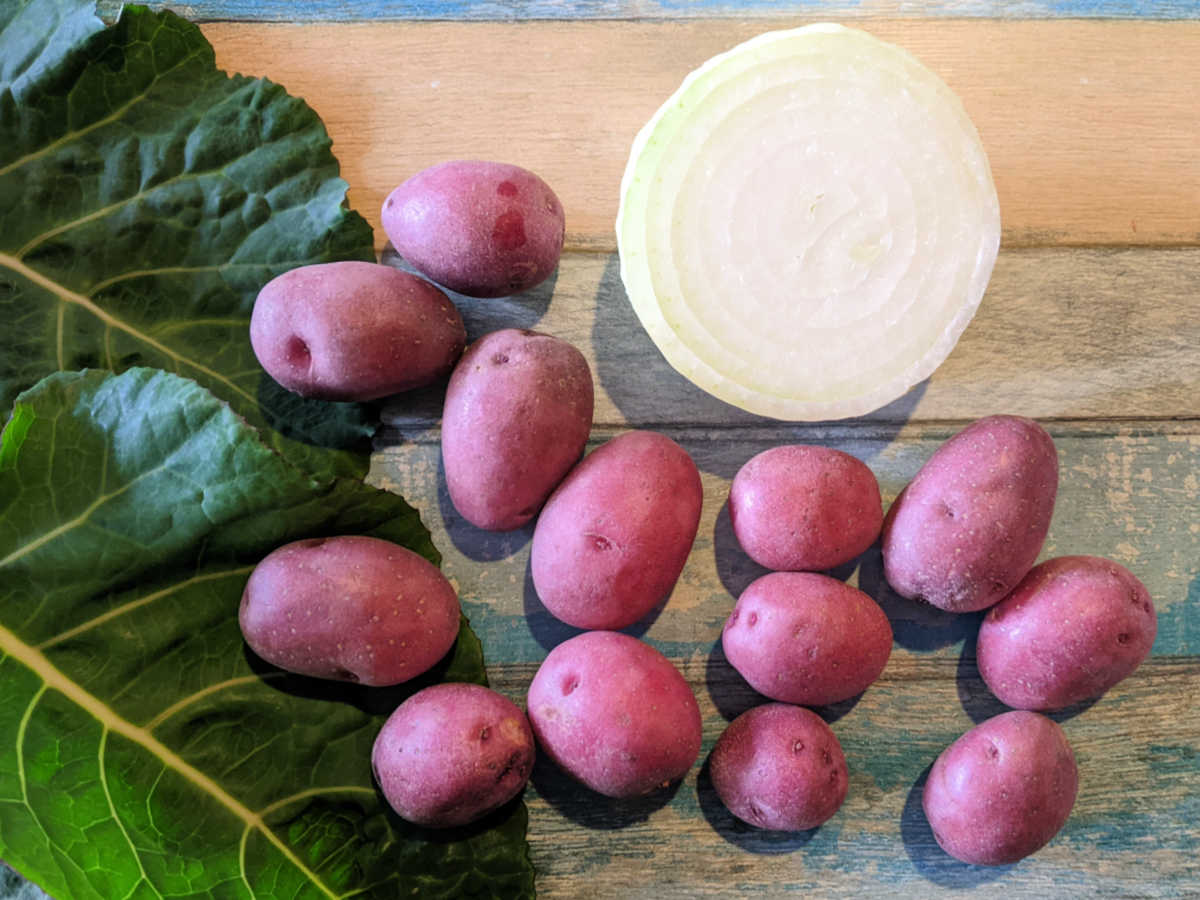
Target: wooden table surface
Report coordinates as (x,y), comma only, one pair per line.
(1088,109)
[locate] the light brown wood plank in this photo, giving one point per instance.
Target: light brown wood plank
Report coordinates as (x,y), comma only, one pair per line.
(1061,333)
(1090,126)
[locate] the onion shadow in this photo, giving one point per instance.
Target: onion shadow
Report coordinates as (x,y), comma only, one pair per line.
(585,807)
(742,834)
(642,383)
(929,859)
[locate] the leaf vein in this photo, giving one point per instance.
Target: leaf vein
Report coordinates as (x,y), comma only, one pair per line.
(102,753)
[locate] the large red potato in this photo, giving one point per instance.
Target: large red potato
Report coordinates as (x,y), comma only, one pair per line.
(615,714)
(800,637)
(516,418)
(452,753)
(973,520)
(780,767)
(804,508)
(1074,627)
(484,229)
(349,608)
(1002,790)
(612,539)
(354,331)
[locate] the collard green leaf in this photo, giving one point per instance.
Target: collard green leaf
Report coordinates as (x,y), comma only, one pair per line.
(143,751)
(145,198)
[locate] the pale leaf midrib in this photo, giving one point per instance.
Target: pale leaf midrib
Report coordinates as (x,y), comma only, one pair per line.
(67,295)
(55,679)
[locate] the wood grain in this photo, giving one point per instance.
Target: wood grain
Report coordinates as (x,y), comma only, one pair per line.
(1102,345)
(1090,126)
(377,10)
(1078,333)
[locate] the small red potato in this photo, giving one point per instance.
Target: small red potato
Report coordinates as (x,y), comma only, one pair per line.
(800,637)
(516,418)
(780,767)
(804,509)
(1074,627)
(349,608)
(452,753)
(972,522)
(615,714)
(1002,790)
(354,331)
(612,539)
(484,229)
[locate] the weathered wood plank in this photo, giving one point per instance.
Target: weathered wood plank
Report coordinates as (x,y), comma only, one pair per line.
(1127,491)
(790,10)
(1089,126)
(1061,333)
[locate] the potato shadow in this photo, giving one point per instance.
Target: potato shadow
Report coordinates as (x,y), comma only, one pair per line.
(734,566)
(929,859)
(326,424)
(498,818)
(585,807)
(643,385)
(915,625)
(374,701)
(742,834)
(980,704)
(475,543)
(550,631)
(487,314)
(732,695)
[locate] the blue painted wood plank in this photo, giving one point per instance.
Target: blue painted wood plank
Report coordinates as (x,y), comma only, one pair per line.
(511,10)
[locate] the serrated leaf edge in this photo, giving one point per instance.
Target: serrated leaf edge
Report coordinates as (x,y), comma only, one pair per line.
(53,679)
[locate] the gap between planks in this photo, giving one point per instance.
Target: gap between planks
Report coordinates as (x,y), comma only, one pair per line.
(1089,125)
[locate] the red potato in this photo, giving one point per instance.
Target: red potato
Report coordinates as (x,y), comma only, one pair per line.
(972,522)
(780,767)
(349,608)
(484,229)
(354,331)
(452,753)
(1074,627)
(1003,790)
(615,714)
(804,508)
(516,418)
(800,637)
(612,539)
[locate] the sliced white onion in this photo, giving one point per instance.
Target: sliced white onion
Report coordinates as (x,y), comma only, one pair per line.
(808,224)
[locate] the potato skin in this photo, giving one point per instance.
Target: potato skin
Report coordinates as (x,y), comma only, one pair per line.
(1074,627)
(1002,790)
(354,331)
(972,522)
(804,509)
(780,767)
(612,539)
(349,608)
(615,714)
(516,418)
(452,753)
(800,637)
(484,229)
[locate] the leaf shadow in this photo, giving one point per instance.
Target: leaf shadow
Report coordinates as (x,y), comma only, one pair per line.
(742,834)
(929,859)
